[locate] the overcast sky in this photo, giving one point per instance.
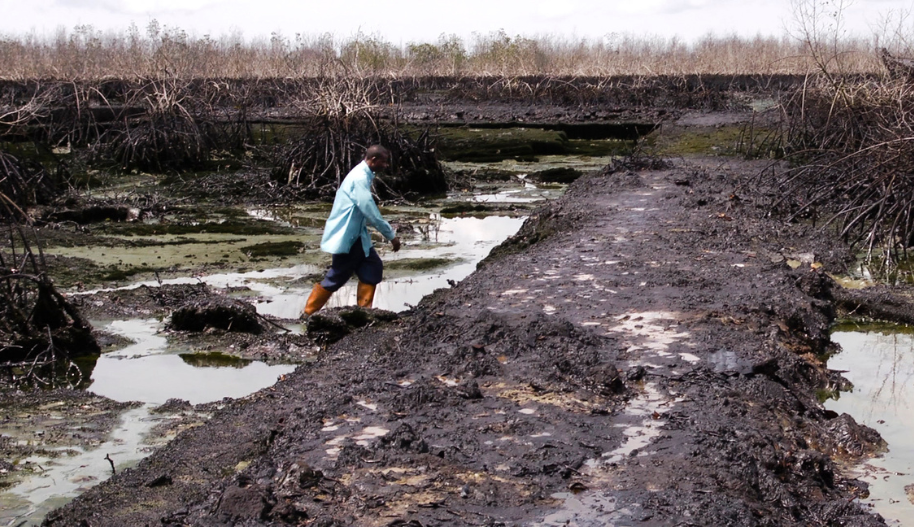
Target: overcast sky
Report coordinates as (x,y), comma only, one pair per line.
(402,21)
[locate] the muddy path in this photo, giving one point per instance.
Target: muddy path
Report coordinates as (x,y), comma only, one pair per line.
(643,352)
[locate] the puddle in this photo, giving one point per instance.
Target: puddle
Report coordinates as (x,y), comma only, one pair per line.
(147,371)
(649,336)
(646,407)
(151,373)
(725,361)
(879,361)
(592,509)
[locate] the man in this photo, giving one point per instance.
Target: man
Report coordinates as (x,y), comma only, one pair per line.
(346,235)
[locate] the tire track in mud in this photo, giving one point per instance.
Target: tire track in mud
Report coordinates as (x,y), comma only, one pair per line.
(635,355)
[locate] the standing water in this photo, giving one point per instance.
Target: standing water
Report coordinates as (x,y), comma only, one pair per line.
(146,371)
(879,361)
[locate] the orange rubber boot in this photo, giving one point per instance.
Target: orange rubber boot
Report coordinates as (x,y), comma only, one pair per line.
(365,295)
(316,300)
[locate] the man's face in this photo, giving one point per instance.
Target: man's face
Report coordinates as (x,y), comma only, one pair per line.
(378,163)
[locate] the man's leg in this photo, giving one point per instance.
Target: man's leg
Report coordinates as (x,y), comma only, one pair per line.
(341,268)
(369,272)
(316,300)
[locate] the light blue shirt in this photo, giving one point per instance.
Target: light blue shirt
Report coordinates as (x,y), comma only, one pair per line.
(353,210)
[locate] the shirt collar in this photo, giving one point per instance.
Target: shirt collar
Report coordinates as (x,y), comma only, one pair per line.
(368,170)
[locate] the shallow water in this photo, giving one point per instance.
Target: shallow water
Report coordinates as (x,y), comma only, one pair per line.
(148,371)
(529,193)
(879,361)
(67,476)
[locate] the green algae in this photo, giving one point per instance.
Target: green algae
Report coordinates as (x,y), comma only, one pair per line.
(418,264)
(600,147)
(263,250)
(723,140)
(232,226)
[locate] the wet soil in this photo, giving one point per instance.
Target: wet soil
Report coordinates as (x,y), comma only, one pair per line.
(641,352)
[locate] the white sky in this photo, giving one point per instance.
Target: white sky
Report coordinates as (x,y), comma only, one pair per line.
(402,21)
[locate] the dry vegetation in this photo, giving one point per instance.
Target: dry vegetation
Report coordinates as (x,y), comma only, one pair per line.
(850,139)
(853,144)
(89,54)
(40,330)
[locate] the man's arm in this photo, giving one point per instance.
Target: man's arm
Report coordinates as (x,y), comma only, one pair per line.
(365,202)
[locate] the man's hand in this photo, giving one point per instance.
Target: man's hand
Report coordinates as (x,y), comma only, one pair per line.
(395,243)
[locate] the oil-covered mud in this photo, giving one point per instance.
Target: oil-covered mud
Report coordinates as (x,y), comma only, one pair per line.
(639,353)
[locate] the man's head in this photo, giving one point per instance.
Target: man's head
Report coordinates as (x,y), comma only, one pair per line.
(377,157)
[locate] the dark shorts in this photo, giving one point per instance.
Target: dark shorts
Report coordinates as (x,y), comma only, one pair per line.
(369,268)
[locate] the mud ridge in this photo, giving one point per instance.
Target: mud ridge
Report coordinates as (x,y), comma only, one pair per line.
(640,353)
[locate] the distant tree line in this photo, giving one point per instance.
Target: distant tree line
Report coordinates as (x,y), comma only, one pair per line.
(162,51)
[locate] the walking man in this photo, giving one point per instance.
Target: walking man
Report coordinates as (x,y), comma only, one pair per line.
(346,235)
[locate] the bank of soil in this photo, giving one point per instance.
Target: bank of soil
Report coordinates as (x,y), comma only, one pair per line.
(640,353)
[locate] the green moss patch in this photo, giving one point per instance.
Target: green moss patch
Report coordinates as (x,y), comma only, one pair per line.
(267,249)
(418,264)
(729,140)
(239,227)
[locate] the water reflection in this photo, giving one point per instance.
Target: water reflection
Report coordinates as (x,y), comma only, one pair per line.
(145,372)
(528,194)
(879,361)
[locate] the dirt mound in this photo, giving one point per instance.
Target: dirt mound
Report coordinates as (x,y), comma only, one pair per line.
(223,313)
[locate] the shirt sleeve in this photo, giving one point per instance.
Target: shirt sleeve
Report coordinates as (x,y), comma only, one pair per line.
(361,195)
